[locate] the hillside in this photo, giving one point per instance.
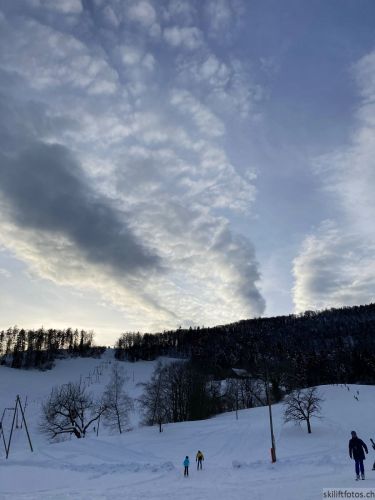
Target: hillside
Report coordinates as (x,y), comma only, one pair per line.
(313,348)
(146,464)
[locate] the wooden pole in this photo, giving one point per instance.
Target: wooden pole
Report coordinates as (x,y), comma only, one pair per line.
(97,429)
(273,446)
(236,399)
(2,433)
(24,409)
(24,421)
(17,425)
(11,431)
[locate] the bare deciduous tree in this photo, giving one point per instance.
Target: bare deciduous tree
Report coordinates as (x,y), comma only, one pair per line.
(177,392)
(243,392)
(69,409)
(301,405)
(152,401)
(116,402)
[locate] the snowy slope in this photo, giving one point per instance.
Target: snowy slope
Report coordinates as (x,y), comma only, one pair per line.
(146,464)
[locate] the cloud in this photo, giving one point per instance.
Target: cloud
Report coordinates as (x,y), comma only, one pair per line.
(212,68)
(182,12)
(349,171)
(205,119)
(115,175)
(364,72)
(228,84)
(65,7)
(190,38)
(334,268)
(335,265)
(208,265)
(63,60)
(46,190)
(110,16)
(134,56)
(5,273)
(219,13)
(53,258)
(224,18)
(142,12)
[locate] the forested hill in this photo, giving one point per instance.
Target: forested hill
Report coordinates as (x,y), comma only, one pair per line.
(330,346)
(21,348)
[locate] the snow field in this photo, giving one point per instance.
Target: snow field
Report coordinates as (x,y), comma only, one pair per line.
(146,464)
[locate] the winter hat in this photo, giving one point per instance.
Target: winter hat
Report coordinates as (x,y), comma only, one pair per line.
(353,433)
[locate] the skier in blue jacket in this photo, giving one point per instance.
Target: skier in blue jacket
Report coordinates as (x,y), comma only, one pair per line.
(186,464)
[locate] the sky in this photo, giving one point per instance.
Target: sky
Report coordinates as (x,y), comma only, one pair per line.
(180,163)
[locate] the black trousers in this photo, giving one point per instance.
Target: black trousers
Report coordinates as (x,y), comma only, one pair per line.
(199,464)
(186,470)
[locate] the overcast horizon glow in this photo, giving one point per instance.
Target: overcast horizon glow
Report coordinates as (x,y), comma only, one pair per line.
(167,163)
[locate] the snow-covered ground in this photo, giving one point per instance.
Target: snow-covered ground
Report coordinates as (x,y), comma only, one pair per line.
(146,464)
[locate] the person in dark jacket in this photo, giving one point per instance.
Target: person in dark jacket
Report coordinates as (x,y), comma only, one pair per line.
(199,459)
(357,449)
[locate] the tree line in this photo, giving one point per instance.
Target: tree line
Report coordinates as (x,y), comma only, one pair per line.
(176,392)
(21,348)
(179,391)
(294,351)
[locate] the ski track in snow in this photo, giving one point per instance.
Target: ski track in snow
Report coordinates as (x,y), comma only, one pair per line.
(146,464)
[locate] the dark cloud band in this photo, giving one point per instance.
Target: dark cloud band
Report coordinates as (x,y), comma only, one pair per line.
(46,189)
